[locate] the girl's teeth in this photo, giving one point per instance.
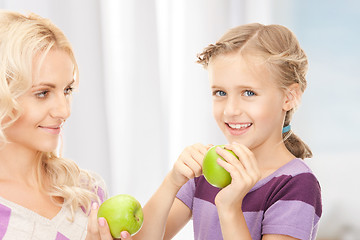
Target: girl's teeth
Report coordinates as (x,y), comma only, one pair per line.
(239,126)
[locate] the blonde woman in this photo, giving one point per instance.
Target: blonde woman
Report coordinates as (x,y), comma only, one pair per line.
(42,195)
(257,77)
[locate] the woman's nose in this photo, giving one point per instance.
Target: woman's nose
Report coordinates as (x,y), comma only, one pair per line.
(61,108)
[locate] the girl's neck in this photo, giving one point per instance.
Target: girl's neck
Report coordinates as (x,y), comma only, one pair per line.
(272,156)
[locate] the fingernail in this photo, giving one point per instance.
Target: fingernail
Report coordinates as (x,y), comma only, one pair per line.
(94,206)
(124,234)
(101,221)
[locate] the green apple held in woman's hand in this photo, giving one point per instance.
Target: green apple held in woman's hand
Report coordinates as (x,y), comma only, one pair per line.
(122,213)
(213,172)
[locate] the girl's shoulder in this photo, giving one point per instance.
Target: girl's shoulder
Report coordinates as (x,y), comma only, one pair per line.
(292,183)
(297,168)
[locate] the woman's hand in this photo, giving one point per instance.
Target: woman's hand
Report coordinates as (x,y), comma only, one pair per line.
(98,229)
(189,164)
(244,173)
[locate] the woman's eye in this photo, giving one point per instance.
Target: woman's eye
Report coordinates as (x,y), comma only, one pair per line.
(68,91)
(42,94)
(220,93)
(249,93)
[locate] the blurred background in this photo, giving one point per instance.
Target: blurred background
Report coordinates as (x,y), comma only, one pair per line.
(143,99)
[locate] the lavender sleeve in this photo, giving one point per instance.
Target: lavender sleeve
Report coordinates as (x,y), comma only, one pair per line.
(186,193)
(295,209)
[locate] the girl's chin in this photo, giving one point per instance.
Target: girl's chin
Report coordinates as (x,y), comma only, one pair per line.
(239,141)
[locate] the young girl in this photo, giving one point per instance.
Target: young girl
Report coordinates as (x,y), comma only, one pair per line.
(257,77)
(42,195)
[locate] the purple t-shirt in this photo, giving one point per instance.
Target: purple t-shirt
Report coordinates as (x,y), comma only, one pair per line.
(288,202)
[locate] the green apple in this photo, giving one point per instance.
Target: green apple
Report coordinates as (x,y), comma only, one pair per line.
(122,213)
(213,172)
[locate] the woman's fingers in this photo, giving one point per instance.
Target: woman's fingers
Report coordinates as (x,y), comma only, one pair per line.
(125,236)
(104,230)
(92,227)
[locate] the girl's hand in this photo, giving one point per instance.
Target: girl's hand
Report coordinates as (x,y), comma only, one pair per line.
(98,229)
(244,173)
(189,164)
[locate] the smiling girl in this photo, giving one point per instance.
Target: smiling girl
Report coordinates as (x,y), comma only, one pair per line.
(257,77)
(42,195)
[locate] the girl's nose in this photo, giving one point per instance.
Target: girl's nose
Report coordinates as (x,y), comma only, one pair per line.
(232,107)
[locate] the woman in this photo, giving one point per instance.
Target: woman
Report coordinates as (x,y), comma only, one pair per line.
(42,195)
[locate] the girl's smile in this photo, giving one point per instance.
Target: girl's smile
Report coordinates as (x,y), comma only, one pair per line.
(237,129)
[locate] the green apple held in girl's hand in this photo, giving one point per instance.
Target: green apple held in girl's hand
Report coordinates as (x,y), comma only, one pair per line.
(213,172)
(122,213)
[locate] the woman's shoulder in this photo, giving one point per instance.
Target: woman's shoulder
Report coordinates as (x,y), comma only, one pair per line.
(92,178)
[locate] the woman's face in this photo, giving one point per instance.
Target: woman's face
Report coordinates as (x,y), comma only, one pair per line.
(248,106)
(46,105)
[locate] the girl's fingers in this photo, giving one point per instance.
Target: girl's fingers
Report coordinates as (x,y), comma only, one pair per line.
(245,165)
(229,167)
(193,158)
(189,163)
(230,158)
(249,160)
(234,167)
(197,152)
(184,170)
(204,148)
(246,157)
(195,166)
(250,155)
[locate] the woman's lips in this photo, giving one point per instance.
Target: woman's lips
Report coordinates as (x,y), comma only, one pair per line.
(52,130)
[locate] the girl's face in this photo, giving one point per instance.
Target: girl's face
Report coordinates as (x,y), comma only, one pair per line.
(46,105)
(247,104)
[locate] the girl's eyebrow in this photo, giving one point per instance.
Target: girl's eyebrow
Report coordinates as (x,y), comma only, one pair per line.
(214,86)
(237,87)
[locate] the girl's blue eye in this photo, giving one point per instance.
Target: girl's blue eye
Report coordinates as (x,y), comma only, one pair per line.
(249,93)
(220,93)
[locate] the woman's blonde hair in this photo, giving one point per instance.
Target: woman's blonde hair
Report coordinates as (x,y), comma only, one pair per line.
(283,56)
(22,38)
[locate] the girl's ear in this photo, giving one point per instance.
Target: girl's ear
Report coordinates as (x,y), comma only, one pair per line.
(292,97)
